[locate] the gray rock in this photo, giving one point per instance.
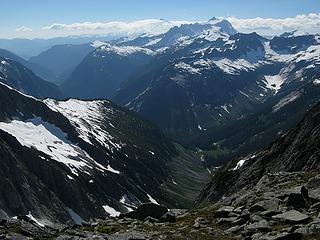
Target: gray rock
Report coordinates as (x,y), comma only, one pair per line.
(227,220)
(256,218)
(269,213)
(315,207)
(223,212)
(303,231)
(262,226)
(196,225)
(238,210)
(200,222)
(235,229)
(270,204)
(178,212)
(168,217)
(150,220)
(292,216)
(296,201)
(245,213)
(281,236)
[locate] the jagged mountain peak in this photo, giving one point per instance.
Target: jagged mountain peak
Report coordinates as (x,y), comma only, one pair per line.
(226,27)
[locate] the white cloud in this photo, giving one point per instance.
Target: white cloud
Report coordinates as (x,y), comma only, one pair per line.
(23,29)
(266,26)
(304,22)
(151,26)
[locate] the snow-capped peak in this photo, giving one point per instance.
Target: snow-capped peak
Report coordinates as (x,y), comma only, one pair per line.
(124,50)
(97,44)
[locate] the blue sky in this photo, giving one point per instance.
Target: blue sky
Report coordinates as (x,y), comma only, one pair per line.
(35,14)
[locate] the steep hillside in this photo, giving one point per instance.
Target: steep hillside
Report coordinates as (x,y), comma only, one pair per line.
(19,77)
(62,59)
(39,70)
(297,150)
(90,158)
(103,70)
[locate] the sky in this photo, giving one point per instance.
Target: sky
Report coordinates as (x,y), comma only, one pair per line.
(50,18)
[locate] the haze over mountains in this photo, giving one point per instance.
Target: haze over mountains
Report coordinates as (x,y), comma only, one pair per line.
(189,100)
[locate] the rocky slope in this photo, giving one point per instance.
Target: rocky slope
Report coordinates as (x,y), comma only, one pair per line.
(73,160)
(278,185)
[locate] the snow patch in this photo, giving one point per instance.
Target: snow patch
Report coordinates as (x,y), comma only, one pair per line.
(274,82)
(110,169)
(286,100)
(234,67)
(88,117)
(187,68)
(49,139)
(316,82)
(124,50)
(97,44)
(71,178)
(152,200)
(112,212)
(242,161)
(128,206)
(34,219)
(152,152)
(225,108)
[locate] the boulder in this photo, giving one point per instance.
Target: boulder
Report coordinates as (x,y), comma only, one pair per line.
(227,220)
(150,220)
(261,226)
(168,217)
(292,216)
(315,207)
(296,200)
(282,236)
(269,213)
(223,212)
(146,210)
(235,229)
(270,204)
(200,222)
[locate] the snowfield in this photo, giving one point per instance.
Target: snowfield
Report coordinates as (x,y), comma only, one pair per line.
(87,117)
(47,138)
(274,82)
(124,50)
